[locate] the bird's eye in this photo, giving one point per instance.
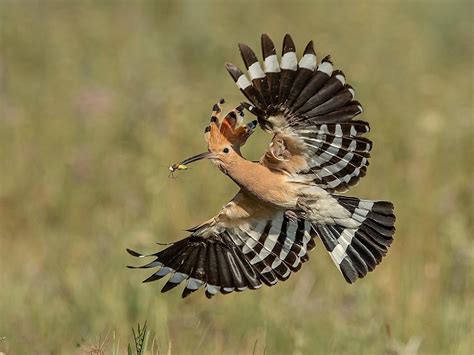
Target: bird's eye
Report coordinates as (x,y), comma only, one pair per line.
(226,150)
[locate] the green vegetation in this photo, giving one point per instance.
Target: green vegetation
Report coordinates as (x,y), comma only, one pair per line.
(97,98)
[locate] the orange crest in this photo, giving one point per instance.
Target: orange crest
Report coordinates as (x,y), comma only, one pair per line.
(229,130)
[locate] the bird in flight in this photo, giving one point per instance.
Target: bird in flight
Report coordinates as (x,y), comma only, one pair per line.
(291,197)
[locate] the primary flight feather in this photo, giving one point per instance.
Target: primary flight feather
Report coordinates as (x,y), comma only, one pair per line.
(288,199)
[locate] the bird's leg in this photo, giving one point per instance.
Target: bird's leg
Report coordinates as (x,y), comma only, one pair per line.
(303,207)
(302,210)
(291,215)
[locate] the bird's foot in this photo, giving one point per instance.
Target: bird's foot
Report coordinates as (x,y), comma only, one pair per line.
(304,207)
(291,215)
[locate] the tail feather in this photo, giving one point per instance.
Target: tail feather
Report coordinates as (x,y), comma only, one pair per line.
(357,261)
(377,249)
(382,219)
(358,250)
(365,253)
(371,226)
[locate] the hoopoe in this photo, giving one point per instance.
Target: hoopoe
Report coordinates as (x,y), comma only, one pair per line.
(290,197)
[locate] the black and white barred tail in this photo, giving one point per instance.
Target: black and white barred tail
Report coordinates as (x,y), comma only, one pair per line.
(356,251)
(245,257)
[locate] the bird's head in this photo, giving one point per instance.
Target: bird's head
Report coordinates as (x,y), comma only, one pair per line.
(224,137)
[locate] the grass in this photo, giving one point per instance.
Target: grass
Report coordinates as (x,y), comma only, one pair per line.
(97,98)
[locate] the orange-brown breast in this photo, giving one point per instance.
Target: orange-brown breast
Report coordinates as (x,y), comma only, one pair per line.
(263,184)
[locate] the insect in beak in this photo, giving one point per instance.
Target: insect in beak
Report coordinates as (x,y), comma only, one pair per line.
(175,167)
(184,164)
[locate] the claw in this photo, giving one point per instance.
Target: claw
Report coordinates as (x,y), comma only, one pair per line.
(291,215)
(304,206)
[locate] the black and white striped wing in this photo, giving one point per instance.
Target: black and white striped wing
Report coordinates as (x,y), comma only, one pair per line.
(234,259)
(310,103)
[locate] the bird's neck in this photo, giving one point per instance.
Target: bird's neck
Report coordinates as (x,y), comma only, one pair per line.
(260,182)
(240,170)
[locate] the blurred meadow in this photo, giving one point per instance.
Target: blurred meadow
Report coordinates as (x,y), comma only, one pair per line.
(98,97)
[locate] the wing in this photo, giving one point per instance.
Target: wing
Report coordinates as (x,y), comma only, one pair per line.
(244,246)
(309,109)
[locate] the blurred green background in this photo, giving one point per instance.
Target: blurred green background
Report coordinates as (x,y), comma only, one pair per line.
(97,98)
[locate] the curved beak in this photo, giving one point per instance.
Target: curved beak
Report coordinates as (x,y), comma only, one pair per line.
(205,155)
